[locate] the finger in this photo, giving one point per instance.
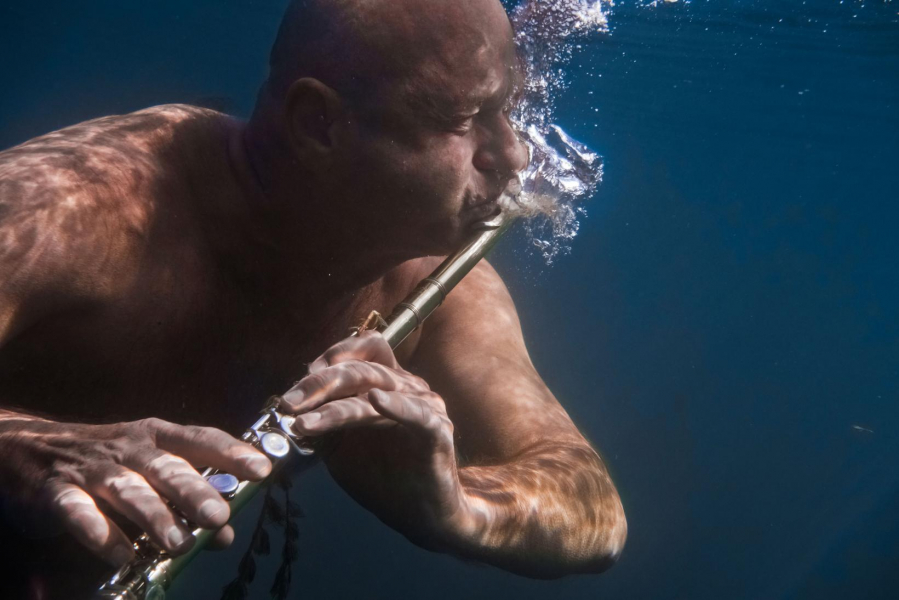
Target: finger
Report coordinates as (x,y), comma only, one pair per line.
(344,380)
(212,448)
(131,495)
(81,517)
(340,414)
(222,538)
(420,412)
(367,346)
(187,490)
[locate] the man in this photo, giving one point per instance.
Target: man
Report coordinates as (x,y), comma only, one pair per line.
(173,266)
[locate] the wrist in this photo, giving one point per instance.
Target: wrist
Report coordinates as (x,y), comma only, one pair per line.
(467,529)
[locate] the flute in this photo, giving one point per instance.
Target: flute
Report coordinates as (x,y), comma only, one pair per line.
(150,573)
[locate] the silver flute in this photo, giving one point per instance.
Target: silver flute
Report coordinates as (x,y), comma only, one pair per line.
(150,573)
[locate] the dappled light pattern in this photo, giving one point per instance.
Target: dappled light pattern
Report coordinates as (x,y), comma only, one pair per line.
(537,483)
(70,207)
(527,502)
(504,475)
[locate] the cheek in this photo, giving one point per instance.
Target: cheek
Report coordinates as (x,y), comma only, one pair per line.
(426,181)
(445,172)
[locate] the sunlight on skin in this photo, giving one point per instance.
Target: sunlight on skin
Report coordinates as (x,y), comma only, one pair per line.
(84,520)
(526,491)
(527,454)
(130,467)
(59,189)
(99,215)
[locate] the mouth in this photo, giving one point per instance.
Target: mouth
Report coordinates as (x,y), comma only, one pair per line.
(484,208)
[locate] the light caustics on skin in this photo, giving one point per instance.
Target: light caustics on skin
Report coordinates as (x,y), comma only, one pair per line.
(562,172)
(527,502)
(60,193)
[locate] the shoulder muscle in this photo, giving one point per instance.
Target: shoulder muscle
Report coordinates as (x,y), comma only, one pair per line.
(472,352)
(74,210)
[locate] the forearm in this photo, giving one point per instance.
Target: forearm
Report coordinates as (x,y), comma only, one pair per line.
(551,511)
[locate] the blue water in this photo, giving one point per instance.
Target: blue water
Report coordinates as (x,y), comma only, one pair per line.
(727,315)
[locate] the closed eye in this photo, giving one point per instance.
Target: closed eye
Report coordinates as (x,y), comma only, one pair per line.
(460,125)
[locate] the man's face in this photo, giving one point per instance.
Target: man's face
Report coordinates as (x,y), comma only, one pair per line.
(432,153)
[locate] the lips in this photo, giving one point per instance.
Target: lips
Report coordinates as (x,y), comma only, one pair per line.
(484,209)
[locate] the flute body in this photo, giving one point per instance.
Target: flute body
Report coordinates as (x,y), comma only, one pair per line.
(150,573)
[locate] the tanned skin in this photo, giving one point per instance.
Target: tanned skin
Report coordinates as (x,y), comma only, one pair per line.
(164,271)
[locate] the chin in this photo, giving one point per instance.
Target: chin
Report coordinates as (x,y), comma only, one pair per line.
(443,239)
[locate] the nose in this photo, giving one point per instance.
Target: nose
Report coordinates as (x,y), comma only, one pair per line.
(499,148)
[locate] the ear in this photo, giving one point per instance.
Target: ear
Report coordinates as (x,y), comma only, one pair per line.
(311,109)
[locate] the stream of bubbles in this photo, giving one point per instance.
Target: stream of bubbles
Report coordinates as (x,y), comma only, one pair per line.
(562,172)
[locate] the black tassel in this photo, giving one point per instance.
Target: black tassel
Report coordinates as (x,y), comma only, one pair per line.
(261,544)
(290,552)
(281,586)
(238,588)
(235,591)
(246,571)
(274,510)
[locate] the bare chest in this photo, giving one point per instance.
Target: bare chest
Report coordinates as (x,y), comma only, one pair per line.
(188,358)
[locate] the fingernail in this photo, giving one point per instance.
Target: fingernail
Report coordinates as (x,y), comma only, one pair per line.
(294,397)
(211,509)
(121,554)
(257,464)
(177,538)
(381,397)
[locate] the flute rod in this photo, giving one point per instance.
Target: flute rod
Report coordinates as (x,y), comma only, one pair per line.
(152,571)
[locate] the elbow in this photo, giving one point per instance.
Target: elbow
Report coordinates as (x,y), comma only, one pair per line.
(590,550)
(608,551)
(607,544)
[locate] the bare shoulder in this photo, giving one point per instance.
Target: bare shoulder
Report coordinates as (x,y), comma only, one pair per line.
(76,206)
(477,322)
(472,351)
(481,297)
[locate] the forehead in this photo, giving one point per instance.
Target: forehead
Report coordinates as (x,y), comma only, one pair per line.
(465,72)
(437,51)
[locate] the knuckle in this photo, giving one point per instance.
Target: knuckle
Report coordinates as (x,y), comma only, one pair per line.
(435,401)
(373,336)
(293,400)
(417,382)
(165,465)
(444,438)
(149,426)
(432,422)
(122,483)
(69,500)
(205,436)
(114,449)
(357,371)
(447,425)
(335,353)
(336,412)
(315,381)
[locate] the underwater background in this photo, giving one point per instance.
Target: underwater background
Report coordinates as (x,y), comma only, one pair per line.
(724,329)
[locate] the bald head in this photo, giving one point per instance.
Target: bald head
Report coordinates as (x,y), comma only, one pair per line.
(366,49)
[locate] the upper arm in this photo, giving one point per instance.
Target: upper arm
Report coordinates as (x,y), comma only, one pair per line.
(472,352)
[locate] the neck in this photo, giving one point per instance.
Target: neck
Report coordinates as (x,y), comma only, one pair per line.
(292,238)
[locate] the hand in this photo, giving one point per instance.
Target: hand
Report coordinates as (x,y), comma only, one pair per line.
(410,472)
(131,468)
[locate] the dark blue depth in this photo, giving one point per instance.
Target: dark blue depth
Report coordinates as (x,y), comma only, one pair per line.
(728,313)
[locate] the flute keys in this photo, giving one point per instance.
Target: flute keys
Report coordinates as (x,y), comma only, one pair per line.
(224,483)
(275,444)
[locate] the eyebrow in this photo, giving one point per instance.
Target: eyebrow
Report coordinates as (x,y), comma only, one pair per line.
(443,107)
